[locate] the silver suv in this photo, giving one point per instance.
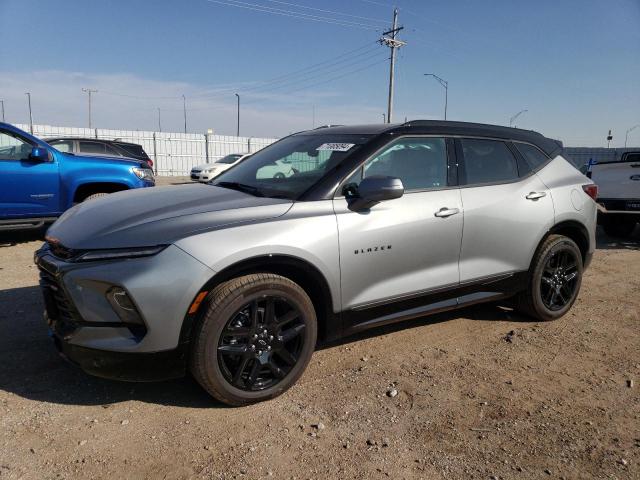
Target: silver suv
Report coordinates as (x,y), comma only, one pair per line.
(237,280)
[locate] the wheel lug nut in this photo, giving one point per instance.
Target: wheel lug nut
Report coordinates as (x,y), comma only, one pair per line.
(253,347)
(264,331)
(255,335)
(268,347)
(259,352)
(270,337)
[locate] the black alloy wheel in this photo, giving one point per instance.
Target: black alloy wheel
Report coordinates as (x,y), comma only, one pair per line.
(554,282)
(255,338)
(559,279)
(261,343)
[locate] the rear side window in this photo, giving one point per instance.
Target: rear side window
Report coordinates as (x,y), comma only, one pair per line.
(91,147)
(632,157)
(133,150)
(111,151)
(488,161)
(533,157)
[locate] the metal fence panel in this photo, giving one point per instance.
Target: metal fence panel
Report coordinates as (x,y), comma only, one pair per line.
(172,153)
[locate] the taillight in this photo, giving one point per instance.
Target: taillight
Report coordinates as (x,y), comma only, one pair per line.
(591,190)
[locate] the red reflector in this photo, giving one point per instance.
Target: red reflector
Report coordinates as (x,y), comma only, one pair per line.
(591,190)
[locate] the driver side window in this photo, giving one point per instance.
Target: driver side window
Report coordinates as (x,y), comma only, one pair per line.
(13,148)
(421,164)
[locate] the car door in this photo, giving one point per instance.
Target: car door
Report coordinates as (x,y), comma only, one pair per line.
(506,210)
(406,247)
(28,187)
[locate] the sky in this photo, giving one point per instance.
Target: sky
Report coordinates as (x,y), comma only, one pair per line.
(574,65)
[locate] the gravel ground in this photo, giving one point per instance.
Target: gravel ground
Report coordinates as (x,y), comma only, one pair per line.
(479,393)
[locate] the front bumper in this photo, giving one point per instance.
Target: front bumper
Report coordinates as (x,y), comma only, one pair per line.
(129,367)
(89,332)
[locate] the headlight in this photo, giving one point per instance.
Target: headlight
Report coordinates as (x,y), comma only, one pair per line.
(119,253)
(143,173)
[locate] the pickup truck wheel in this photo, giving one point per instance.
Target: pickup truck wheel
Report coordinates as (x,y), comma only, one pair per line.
(619,226)
(554,279)
(255,339)
(95,195)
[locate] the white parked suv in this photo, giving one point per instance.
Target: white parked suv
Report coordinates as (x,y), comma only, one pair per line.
(208,171)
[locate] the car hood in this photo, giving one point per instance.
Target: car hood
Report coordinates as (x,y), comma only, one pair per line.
(159,216)
(99,157)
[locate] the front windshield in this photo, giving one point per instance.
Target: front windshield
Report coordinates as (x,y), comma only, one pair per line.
(229,158)
(288,168)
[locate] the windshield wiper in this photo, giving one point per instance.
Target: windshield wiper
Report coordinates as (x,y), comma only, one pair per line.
(241,187)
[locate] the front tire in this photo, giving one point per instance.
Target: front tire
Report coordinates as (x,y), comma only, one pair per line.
(555,277)
(95,195)
(255,340)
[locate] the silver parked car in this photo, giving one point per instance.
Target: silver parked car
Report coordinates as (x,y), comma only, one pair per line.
(236,280)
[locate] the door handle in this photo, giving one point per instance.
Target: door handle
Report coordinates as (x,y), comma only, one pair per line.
(536,195)
(446,212)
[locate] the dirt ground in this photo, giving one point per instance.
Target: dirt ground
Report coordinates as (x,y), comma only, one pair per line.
(482,393)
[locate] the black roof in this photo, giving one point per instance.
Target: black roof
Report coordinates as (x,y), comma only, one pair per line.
(548,145)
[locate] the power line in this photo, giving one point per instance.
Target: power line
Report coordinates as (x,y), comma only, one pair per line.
(328,11)
(370,65)
(294,14)
(307,74)
(342,58)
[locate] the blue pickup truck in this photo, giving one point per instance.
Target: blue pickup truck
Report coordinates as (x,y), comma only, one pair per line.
(38,183)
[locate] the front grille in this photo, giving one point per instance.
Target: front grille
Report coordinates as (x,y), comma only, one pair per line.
(63,318)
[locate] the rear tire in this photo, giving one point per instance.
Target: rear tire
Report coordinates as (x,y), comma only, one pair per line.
(255,339)
(619,226)
(95,195)
(555,277)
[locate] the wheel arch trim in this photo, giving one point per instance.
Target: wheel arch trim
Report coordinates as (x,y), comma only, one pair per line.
(299,270)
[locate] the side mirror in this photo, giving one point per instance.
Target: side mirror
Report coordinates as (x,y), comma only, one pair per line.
(376,189)
(39,154)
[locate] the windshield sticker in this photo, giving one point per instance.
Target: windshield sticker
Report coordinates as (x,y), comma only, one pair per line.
(335,147)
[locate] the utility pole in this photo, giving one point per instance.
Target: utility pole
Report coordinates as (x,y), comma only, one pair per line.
(238,127)
(2,102)
(184,110)
(393,44)
(28,94)
(445,84)
(313,116)
(626,137)
(609,138)
(513,119)
(159,123)
(89,91)
(384,118)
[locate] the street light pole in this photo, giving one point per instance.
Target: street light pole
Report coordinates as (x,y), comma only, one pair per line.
(445,84)
(384,118)
(626,137)
(159,124)
(2,102)
(513,119)
(238,126)
(184,111)
(89,91)
(28,94)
